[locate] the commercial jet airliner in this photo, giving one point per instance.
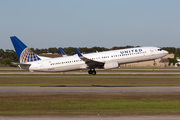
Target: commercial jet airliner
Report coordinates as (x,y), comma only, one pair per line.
(101,60)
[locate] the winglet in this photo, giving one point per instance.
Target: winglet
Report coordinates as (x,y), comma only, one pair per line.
(87,60)
(77,51)
(62,52)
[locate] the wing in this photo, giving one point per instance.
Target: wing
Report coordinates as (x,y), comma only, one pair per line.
(89,62)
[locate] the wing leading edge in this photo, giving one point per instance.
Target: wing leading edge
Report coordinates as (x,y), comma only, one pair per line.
(89,62)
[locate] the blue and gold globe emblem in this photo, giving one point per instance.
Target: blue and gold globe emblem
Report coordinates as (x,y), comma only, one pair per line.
(28,56)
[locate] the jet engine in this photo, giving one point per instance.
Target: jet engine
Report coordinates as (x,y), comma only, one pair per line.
(111,65)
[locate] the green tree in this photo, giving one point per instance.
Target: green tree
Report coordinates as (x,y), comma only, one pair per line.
(172,60)
(6,61)
(43,51)
(53,50)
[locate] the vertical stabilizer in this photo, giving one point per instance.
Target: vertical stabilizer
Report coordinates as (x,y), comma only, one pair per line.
(23,52)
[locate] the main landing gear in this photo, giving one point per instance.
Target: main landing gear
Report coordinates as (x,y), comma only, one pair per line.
(154,63)
(92,72)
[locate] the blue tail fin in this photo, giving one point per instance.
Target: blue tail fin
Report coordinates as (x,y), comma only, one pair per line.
(62,52)
(23,52)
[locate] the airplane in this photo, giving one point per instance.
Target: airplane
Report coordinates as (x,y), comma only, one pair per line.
(99,60)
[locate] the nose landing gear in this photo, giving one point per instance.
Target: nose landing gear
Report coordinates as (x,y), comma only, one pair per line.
(92,72)
(154,63)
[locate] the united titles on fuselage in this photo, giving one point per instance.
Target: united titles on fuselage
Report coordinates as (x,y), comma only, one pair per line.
(131,51)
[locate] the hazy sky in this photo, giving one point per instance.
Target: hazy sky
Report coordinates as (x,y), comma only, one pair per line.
(89,23)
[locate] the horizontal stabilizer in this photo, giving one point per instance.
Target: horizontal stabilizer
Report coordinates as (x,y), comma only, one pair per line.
(43,58)
(16,63)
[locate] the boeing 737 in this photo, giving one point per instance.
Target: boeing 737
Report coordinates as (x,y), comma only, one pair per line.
(101,60)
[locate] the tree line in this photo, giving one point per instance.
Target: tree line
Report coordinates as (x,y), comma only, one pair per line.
(7,56)
(71,50)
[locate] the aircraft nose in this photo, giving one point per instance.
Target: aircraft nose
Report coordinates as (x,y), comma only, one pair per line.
(165,52)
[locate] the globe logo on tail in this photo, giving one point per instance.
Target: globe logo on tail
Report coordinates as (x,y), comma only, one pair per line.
(28,56)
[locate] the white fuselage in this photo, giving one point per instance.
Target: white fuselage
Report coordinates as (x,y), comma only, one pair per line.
(121,56)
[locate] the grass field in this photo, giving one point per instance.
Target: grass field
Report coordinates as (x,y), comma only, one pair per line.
(53,81)
(90,104)
(122,69)
(122,104)
(117,70)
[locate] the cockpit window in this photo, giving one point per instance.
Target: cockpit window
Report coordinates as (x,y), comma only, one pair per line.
(159,49)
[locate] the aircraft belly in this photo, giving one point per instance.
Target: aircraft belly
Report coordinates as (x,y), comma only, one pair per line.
(156,56)
(140,58)
(63,68)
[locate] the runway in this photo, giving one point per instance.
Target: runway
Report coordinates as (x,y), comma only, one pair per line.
(131,117)
(89,90)
(98,72)
(90,76)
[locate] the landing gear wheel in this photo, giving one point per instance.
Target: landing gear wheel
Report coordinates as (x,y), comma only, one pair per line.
(155,64)
(90,71)
(94,72)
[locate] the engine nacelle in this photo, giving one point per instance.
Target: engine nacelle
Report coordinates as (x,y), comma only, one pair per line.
(36,67)
(25,67)
(111,65)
